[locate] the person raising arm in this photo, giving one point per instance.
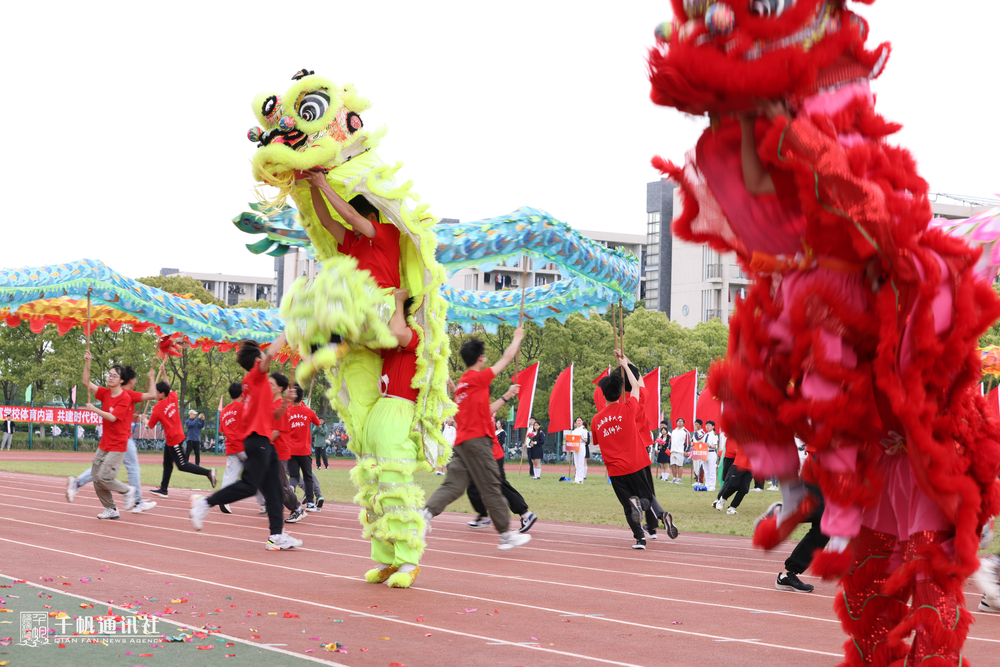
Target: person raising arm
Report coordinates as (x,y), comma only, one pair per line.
(319,188)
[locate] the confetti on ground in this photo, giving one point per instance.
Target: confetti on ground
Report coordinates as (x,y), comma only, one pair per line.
(85,580)
(314,639)
(288,614)
(206,647)
(469,611)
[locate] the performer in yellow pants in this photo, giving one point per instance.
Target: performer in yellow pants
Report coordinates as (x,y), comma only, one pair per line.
(391,452)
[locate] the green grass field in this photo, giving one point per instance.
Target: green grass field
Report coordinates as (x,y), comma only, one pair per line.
(592,502)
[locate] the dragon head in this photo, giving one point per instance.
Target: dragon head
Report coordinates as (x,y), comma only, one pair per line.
(310,126)
(719,57)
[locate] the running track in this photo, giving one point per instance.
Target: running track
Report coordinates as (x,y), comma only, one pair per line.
(576,595)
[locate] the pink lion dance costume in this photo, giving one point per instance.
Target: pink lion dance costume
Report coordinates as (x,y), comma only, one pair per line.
(859,331)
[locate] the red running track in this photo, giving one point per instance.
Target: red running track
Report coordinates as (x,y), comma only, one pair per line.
(576,595)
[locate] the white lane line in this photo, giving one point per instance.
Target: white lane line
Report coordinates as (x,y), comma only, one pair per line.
(125,612)
(409,623)
(600,571)
(334,608)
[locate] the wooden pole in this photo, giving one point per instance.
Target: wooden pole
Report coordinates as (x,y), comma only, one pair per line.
(517,355)
(621,323)
(89,290)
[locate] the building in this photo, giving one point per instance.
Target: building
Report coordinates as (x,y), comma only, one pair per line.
(231,289)
(296,262)
(538,274)
(693,283)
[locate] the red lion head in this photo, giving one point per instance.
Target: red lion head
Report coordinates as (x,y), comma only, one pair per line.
(727,56)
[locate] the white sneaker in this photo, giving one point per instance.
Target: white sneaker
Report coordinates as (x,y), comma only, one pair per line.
(143,507)
(311,507)
(510,539)
(986,578)
(480,522)
(71,489)
(199,510)
(263,511)
(427,520)
(282,542)
(731,510)
(129,500)
(719,504)
(756,490)
(111,513)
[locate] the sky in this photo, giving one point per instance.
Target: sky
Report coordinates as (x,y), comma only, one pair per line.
(126,122)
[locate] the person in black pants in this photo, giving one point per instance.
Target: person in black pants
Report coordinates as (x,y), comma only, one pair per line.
(194,423)
(514,499)
(261,468)
(166,414)
(802,555)
(738,482)
(536,451)
(319,445)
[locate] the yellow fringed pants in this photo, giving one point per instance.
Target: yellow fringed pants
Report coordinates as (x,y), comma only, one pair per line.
(390,501)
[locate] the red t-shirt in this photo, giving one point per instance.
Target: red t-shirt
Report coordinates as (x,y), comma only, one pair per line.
(613,429)
(497,449)
(644,435)
(116,433)
(473,419)
(166,414)
(283,443)
(378,256)
(229,424)
(258,415)
(299,418)
(399,365)
(740,460)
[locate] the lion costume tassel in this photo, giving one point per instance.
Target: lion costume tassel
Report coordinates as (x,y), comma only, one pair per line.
(859,332)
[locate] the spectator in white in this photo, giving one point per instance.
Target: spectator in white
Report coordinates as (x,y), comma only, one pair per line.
(8,434)
(449,432)
(580,456)
(195,422)
(680,439)
(712,438)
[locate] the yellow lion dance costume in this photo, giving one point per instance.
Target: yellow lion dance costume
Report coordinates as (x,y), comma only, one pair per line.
(317,124)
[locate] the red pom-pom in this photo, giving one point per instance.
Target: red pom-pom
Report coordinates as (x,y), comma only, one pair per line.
(832,565)
(767,536)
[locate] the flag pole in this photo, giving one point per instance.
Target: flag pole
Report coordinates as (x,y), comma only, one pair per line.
(89,290)
(517,355)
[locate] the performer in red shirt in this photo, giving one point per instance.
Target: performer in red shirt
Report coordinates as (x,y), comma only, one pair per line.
(737,482)
(229,425)
(300,470)
(165,412)
(615,430)
(117,409)
(472,456)
(257,428)
(282,439)
(514,499)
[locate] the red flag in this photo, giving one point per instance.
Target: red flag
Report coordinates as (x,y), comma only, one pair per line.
(598,394)
(682,391)
(651,385)
(561,402)
(526,396)
(993,398)
(709,407)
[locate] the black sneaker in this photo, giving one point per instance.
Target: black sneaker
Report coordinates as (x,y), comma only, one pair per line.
(528,520)
(225,509)
(296,516)
(319,502)
(789,581)
(650,531)
(639,544)
(159,492)
(635,510)
(668,523)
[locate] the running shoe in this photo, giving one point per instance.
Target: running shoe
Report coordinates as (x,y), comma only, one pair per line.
(211,476)
(199,510)
(731,510)
(990,606)
(296,515)
(71,489)
(110,513)
(143,506)
(130,498)
(528,520)
(650,531)
(639,544)
(282,542)
(789,581)
(225,509)
(480,522)
(510,539)
(668,523)
(311,507)
(635,510)
(263,511)
(319,502)
(159,492)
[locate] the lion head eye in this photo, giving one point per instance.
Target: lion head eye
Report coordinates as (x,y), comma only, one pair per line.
(769,8)
(314,105)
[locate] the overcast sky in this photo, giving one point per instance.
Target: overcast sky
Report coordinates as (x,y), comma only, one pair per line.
(126,122)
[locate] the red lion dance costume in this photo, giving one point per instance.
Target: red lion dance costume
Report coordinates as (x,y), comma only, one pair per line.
(859,331)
